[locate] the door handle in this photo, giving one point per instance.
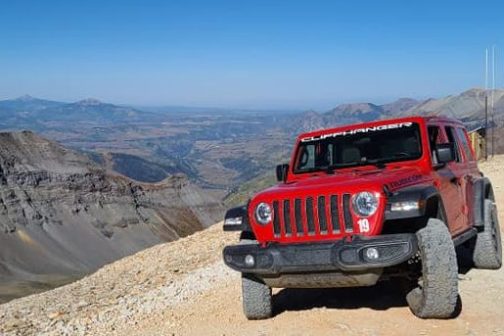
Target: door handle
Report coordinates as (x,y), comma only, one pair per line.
(457,180)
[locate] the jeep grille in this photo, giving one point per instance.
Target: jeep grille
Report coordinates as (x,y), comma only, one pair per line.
(323,215)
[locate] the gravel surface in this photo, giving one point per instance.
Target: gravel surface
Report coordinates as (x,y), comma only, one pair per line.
(182,288)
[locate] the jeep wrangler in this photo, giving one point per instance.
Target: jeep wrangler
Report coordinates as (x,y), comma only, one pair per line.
(358,204)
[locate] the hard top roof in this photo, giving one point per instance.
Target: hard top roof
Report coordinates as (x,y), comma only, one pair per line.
(419,119)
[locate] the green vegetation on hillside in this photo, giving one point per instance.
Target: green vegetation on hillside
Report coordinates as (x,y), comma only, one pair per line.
(244,192)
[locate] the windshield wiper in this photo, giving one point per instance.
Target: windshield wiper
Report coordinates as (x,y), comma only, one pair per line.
(378,163)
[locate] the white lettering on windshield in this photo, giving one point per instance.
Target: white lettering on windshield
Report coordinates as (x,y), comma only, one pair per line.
(357,130)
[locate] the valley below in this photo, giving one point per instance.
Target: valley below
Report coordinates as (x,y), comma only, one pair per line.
(183,288)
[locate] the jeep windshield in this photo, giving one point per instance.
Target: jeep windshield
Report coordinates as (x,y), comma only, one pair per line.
(375,145)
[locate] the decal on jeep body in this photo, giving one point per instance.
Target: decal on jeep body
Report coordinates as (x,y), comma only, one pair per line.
(357,130)
(363,225)
(404,181)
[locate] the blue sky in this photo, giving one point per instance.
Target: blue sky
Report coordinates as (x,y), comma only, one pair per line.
(249,54)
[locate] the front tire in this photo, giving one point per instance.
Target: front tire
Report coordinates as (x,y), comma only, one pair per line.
(257,298)
(437,292)
(488,246)
(256,295)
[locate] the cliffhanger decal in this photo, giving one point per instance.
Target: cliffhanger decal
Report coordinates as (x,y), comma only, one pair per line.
(357,130)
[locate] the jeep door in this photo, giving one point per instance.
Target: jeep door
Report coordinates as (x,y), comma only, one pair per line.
(450,178)
(470,172)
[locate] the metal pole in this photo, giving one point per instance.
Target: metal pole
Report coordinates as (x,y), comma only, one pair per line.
(486,69)
(486,104)
(493,93)
(486,125)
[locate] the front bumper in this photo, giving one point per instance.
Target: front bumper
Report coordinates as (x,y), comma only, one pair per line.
(276,259)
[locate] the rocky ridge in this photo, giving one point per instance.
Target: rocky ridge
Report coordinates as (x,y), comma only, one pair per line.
(62,215)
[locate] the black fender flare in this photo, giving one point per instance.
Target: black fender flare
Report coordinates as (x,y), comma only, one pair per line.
(482,189)
(489,193)
(428,198)
(237,212)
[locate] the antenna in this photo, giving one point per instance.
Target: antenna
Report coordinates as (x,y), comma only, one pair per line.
(493,93)
(486,69)
(486,104)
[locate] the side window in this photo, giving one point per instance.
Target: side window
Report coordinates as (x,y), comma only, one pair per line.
(450,133)
(434,139)
(315,155)
(462,137)
(307,157)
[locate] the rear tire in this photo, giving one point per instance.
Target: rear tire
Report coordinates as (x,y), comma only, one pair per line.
(488,246)
(437,291)
(257,298)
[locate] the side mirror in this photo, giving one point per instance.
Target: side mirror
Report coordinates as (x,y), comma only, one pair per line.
(445,153)
(281,172)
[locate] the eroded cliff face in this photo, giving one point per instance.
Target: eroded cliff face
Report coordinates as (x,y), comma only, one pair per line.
(60,214)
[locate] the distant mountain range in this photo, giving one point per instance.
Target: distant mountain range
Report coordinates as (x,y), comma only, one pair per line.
(26,104)
(218,149)
(41,113)
(469,107)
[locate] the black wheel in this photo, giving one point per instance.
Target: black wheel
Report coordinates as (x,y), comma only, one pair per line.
(487,252)
(256,295)
(437,291)
(257,298)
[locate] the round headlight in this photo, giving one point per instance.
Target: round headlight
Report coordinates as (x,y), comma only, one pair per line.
(365,203)
(263,213)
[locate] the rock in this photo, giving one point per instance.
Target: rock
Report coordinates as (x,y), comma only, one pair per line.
(82,304)
(55,314)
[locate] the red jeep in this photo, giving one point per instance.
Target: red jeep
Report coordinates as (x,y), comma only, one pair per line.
(361,203)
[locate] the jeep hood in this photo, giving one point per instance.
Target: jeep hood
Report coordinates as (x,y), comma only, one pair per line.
(350,181)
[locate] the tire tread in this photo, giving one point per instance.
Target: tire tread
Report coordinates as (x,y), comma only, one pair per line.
(438,295)
(485,255)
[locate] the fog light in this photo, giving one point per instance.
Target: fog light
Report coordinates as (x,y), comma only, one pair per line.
(249,260)
(372,253)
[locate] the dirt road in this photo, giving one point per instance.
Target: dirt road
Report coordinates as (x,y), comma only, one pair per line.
(183,288)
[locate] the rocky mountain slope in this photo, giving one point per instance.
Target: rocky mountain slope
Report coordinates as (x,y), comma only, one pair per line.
(183,288)
(349,114)
(467,106)
(62,216)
